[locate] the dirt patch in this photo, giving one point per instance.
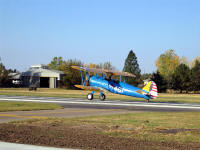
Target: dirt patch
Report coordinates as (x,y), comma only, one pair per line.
(175,131)
(78,137)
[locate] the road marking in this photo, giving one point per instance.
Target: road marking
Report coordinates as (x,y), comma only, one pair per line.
(167,105)
(66,111)
(10,115)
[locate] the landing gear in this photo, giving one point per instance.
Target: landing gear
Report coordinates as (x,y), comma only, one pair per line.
(90,96)
(147,100)
(102,97)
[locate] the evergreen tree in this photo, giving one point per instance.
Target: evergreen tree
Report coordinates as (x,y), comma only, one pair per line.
(160,81)
(181,78)
(195,76)
(131,66)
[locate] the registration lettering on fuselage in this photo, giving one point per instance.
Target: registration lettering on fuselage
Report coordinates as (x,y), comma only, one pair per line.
(116,88)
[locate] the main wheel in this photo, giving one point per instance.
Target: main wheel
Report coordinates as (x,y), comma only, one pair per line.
(102,97)
(90,96)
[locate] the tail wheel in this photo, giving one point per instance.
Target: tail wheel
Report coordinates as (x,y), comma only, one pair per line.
(102,97)
(90,96)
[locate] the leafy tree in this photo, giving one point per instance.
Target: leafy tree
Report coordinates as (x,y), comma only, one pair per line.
(166,65)
(193,62)
(57,64)
(72,76)
(146,76)
(160,81)
(196,76)
(13,71)
(4,79)
(131,65)
(108,65)
(91,65)
(100,65)
(181,78)
(184,60)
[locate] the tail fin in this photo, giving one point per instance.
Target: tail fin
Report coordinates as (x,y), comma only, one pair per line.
(152,89)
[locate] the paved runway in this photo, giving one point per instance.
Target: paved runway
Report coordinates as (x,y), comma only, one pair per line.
(108,104)
(59,113)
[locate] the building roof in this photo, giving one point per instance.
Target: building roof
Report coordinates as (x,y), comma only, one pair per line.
(15,76)
(42,71)
(39,66)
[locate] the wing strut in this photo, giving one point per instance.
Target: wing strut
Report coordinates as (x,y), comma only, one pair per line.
(82,77)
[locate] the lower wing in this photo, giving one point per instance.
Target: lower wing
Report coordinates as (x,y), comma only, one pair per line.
(89,88)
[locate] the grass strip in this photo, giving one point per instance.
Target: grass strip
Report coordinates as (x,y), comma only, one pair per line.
(26,106)
(181,127)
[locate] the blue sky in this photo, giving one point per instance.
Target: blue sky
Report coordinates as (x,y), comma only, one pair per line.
(34,31)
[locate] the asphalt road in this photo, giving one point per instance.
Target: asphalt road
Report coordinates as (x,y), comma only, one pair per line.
(108,104)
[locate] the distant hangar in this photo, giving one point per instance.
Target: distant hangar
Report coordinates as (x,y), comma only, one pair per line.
(38,75)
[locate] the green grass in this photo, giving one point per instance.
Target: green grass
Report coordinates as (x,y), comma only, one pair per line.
(46,92)
(142,126)
(26,106)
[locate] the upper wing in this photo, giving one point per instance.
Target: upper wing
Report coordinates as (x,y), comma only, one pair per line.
(104,71)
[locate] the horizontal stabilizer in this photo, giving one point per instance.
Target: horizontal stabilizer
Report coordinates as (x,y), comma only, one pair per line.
(141,92)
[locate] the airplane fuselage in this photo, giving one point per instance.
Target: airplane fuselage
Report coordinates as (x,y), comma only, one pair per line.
(116,87)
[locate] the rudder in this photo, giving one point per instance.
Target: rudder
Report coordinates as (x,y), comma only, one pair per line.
(151,88)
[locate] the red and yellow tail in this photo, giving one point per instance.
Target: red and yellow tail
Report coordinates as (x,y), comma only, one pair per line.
(151,88)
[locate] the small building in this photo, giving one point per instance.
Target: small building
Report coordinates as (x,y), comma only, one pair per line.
(39,76)
(16,78)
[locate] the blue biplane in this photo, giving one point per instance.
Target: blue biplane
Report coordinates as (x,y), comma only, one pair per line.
(104,82)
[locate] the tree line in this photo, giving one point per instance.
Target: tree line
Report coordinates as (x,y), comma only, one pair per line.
(177,73)
(173,72)
(72,76)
